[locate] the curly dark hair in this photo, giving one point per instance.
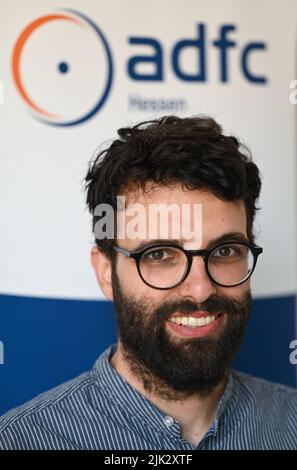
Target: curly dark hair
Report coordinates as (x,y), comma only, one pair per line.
(192,151)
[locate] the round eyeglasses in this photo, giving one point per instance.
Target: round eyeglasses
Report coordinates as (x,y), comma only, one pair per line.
(164,266)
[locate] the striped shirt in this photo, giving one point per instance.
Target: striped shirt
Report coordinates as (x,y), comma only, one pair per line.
(100,410)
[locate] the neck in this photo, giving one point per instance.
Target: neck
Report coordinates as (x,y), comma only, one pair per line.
(194,413)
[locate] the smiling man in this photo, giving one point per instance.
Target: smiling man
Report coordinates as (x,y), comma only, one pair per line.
(182,304)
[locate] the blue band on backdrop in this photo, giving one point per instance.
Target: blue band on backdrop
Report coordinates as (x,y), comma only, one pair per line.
(48,341)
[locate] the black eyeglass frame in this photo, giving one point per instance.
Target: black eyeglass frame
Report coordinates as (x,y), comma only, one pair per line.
(205,253)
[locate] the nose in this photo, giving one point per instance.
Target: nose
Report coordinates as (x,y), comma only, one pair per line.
(197,285)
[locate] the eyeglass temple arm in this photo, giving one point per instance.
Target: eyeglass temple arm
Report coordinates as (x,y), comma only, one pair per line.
(122,250)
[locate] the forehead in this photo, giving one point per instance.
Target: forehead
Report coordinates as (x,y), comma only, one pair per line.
(218,216)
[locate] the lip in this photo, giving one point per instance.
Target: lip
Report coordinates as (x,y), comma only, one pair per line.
(196,332)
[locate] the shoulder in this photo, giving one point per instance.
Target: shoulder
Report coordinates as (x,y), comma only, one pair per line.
(29,423)
(259,384)
(264,393)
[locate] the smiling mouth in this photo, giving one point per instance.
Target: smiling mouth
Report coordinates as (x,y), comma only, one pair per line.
(194,321)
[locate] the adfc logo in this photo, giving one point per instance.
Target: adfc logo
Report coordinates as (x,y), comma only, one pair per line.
(62,67)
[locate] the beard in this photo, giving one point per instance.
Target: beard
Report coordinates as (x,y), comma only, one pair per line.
(176,368)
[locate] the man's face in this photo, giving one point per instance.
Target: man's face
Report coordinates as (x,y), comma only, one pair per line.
(167,358)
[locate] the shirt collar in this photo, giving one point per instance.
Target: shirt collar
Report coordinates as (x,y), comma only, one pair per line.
(128,398)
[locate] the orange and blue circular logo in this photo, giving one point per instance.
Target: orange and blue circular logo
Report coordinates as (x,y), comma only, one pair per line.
(62,68)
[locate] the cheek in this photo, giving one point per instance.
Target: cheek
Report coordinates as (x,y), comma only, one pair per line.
(130,280)
(127,273)
(133,285)
(236,293)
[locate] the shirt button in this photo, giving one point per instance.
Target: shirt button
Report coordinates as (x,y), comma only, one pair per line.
(168,421)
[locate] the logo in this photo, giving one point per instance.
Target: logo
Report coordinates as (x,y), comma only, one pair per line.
(69,100)
(200,47)
(63,66)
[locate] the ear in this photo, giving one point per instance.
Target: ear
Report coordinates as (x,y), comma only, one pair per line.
(102,267)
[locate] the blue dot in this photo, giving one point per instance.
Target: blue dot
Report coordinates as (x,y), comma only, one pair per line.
(63,67)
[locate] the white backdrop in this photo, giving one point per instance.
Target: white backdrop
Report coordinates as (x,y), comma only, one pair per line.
(45,235)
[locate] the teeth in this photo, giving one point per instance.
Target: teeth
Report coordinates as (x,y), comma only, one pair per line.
(193,322)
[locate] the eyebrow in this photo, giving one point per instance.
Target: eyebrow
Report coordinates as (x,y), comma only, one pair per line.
(229,237)
(160,241)
(226,237)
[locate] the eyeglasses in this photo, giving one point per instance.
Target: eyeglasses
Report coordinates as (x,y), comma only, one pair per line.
(165,266)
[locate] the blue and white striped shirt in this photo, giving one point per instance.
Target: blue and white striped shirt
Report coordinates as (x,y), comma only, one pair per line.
(100,410)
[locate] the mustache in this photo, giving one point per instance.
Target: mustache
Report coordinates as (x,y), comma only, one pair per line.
(213,305)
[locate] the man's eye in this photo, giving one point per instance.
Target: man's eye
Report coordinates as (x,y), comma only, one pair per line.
(157,255)
(225,252)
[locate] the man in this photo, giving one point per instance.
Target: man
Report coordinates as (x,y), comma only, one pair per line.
(182,304)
